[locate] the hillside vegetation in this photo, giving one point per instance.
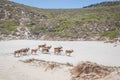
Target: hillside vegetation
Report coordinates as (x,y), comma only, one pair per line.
(95,22)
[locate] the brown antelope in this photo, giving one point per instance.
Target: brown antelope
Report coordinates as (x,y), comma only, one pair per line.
(57,50)
(17,53)
(68,52)
(24,50)
(41,46)
(46,49)
(34,51)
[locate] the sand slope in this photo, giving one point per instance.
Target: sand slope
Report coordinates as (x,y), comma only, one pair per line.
(12,69)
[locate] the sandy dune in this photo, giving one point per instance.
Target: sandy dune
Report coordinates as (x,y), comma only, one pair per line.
(99,52)
(11,68)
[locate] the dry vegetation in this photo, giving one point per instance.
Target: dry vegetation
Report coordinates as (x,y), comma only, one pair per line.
(83,71)
(46,64)
(90,71)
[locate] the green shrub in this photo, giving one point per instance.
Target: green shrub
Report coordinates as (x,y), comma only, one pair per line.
(8,25)
(64,25)
(110,34)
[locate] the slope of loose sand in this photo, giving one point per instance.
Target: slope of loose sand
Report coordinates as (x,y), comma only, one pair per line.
(13,69)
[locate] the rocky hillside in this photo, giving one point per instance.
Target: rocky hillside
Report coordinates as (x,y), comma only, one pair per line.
(18,21)
(107,3)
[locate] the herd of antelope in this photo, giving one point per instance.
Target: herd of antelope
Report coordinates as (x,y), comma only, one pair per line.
(43,48)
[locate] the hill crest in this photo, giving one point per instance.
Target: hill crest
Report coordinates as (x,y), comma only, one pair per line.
(91,23)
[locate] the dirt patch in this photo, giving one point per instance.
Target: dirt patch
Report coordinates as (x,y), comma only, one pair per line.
(46,64)
(83,71)
(90,71)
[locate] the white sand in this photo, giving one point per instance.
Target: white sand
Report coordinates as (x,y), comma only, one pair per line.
(12,69)
(16,70)
(100,52)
